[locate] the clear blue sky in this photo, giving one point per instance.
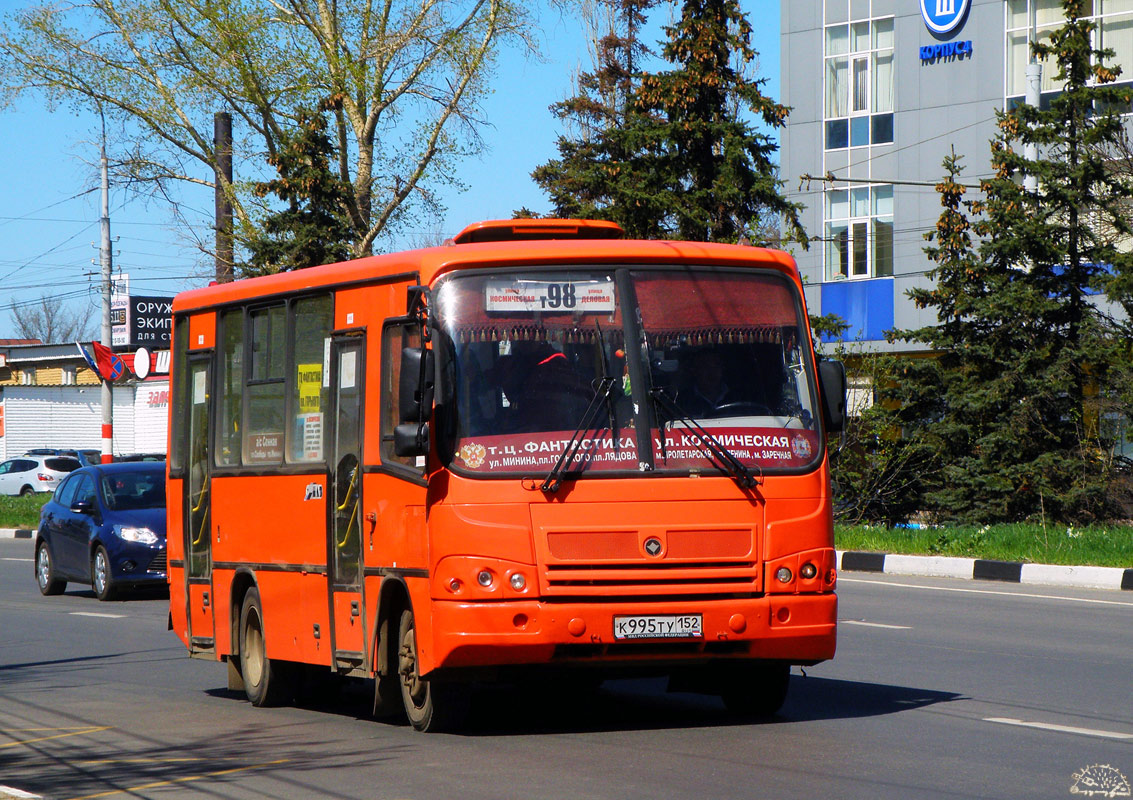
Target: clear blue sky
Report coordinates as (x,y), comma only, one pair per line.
(49,200)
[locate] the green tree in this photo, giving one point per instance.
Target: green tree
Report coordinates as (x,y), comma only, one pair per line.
(719,176)
(672,154)
(411,74)
(879,475)
(314,227)
(600,172)
(1026,357)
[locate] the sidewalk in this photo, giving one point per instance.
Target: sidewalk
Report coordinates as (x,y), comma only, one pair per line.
(936,567)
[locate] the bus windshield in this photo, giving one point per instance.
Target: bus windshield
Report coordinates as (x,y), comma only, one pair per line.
(620,358)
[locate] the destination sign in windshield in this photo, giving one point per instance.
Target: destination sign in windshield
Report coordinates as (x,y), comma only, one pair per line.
(519,295)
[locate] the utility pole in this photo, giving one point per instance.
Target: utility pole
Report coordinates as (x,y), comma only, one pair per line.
(105,256)
(222,141)
(1033,98)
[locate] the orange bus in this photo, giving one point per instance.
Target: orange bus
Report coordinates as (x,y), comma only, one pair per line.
(538,446)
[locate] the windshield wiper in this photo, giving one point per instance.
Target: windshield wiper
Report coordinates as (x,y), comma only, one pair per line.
(602,395)
(744,476)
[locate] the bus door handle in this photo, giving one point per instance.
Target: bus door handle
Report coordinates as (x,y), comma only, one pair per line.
(372,518)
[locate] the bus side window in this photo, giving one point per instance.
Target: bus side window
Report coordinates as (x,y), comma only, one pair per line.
(231,381)
(395,337)
(263,419)
(311,320)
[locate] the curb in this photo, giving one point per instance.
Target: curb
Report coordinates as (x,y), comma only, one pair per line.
(15,533)
(983,570)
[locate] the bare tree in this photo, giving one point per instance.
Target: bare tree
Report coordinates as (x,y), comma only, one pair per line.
(51,322)
(411,74)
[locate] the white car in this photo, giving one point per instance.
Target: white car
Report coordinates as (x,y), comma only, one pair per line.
(27,474)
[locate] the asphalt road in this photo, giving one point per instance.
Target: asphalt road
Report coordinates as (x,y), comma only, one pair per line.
(941,689)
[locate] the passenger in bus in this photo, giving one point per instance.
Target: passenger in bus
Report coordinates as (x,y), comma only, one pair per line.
(708,390)
(544,392)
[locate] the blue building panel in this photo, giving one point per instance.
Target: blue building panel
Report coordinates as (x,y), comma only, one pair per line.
(866,305)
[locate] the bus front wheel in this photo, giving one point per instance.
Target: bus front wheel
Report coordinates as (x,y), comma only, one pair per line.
(755,690)
(266,682)
(430,705)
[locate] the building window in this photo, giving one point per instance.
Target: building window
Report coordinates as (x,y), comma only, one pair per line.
(1114,21)
(859,232)
(859,83)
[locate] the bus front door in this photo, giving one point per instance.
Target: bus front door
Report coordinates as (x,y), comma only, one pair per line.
(344,487)
(198,520)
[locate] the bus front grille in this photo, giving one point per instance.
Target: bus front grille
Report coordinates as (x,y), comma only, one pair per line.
(638,579)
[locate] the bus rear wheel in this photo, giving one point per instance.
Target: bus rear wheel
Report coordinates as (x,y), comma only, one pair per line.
(266,682)
(431,705)
(755,690)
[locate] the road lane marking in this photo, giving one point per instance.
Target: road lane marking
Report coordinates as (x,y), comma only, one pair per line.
(863,623)
(1047,726)
(175,781)
(8,791)
(96,614)
(23,560)
(171,760)
(79,732)
(842,579)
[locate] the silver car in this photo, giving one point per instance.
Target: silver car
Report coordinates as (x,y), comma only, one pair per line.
(27,474)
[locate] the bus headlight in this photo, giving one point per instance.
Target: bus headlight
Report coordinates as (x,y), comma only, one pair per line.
(518,581)
(783,575)
(484,578)
(808,571)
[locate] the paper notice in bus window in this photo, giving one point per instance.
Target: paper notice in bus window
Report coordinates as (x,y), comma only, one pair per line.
(263,448)
(200,387)
(346,369)
(310,387)
(519,295)
(312,426)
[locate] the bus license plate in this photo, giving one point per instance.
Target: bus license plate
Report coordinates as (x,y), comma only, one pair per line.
(658,626)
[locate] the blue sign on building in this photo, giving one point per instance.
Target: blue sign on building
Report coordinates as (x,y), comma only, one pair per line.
(943,16)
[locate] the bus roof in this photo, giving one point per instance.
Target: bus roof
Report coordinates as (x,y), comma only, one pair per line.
(467,251)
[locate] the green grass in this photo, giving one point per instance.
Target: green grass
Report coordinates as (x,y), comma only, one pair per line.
(22,512)
(1096,545)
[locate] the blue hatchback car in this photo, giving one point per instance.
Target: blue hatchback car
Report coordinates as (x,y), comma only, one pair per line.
(105,526)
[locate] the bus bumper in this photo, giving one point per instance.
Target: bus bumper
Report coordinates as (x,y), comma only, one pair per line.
(799,629)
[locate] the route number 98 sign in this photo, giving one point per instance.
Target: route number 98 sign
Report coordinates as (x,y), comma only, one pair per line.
(555,296)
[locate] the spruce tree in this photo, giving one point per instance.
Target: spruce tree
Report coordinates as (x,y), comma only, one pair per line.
(1026,356)
(671,154)
(601,172)
(719,176)
(313,228)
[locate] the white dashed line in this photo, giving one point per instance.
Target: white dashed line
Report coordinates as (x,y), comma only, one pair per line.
(1046,726)
(874,624)
(8,791)
(96,614)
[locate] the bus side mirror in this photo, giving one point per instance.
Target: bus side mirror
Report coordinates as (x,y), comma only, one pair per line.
(411,439)
(832,384)
(415,385)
